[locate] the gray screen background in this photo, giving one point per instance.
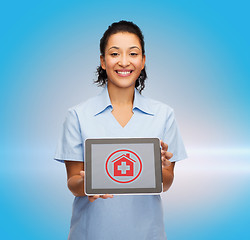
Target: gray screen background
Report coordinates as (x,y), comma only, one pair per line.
(100,153)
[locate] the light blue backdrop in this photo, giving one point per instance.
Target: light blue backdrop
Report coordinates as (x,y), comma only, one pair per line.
(197,62)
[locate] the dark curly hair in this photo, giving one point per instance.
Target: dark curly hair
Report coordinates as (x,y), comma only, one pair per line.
(116,27)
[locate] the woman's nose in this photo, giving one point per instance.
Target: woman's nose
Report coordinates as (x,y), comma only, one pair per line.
(124,61)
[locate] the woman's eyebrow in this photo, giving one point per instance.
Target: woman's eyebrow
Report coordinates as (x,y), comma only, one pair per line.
(115,47)
(134,47)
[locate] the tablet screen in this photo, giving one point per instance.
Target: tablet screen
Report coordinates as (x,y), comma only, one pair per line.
(123,166)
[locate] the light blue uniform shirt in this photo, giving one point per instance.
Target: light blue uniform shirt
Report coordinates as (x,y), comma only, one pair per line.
(124,217)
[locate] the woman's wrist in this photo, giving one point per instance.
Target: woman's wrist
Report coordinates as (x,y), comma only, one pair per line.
(76,185)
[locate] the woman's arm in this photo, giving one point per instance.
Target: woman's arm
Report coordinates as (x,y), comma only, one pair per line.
(75,176)
(167,167)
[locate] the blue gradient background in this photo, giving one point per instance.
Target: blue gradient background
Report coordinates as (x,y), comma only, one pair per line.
(197,62)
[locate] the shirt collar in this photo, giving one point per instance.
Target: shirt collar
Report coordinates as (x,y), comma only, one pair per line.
(103,101)
(140,102)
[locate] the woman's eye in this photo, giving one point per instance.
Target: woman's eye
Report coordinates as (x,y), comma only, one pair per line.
(133,54)
(114,54)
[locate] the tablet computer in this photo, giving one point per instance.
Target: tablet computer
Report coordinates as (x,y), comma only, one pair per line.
(123,166)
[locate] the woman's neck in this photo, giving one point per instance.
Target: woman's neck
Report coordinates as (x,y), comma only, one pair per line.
(121,96)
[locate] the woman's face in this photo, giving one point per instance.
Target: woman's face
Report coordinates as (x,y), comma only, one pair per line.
(123,59)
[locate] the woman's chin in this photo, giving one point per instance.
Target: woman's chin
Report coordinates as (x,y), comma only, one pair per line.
(121,84)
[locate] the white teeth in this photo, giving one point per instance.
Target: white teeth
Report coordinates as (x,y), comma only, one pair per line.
(123,73)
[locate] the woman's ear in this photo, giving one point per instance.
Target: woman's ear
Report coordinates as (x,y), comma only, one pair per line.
(143,61)
(102,60)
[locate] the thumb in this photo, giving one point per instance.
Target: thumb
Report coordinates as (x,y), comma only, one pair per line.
(82,173)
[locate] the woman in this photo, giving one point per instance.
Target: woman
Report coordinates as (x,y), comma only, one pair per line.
(119,111)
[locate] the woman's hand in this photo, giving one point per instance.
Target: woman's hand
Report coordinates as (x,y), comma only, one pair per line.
(165,155)
(167,167)
(93,198)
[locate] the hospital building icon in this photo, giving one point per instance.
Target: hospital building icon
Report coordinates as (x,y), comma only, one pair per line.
(123,166)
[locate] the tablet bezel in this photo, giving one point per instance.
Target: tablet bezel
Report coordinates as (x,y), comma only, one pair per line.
(121,191)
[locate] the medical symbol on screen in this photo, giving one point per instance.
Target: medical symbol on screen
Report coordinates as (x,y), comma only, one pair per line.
(123,166)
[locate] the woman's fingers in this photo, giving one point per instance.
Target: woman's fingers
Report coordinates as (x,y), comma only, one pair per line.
(167,155)
(164,146)
(105,196)
(165,160)
(93,198)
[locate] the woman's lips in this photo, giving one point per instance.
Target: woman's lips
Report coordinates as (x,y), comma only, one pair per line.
(123,73)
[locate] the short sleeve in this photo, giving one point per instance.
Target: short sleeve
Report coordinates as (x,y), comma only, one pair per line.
(174,140)
(70,144)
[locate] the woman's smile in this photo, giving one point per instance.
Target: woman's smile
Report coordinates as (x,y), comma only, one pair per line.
(124,72)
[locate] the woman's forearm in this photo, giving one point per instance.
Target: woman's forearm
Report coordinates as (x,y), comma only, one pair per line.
(167,179)
(76,185)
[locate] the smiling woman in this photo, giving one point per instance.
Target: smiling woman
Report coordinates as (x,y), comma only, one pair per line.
(119,111)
